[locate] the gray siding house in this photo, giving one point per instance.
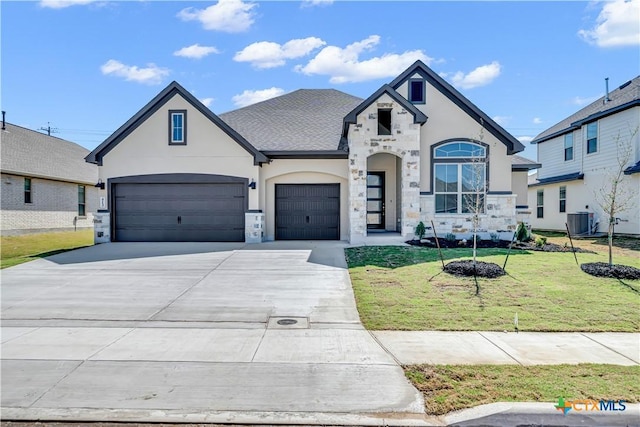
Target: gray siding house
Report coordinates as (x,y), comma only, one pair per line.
(45,183)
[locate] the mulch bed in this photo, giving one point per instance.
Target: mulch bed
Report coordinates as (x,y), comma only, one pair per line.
(482,269)
(616,271)
(430,242)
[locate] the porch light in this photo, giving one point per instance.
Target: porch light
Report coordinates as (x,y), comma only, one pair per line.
(100,184)
(252,184)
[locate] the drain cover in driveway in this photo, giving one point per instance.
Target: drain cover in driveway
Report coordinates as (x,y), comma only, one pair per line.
(288,323)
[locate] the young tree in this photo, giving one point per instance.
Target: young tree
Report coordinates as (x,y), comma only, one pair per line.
(616,195)
(474,186)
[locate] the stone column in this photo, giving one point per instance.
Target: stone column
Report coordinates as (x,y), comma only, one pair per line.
(253,226)
(101,227)
(357,198)
(410,192)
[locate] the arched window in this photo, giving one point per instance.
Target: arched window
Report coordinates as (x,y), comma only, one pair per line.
(460,181)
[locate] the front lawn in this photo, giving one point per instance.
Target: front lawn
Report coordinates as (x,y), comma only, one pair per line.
(27,247)
(404,288)
(450,388)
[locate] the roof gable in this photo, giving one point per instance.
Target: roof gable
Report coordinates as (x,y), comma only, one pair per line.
(512,144)
(625,96)
(153,106)
(352,117)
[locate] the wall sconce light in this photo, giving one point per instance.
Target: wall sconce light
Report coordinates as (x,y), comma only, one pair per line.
(252,184)
(100,184)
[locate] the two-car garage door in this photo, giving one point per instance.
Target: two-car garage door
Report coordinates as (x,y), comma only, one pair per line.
(179,212)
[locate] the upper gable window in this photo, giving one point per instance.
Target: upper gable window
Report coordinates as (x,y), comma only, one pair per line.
(417,91)
(460,150)
(384,122)
(177,127)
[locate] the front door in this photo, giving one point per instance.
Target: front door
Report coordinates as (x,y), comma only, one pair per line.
(375,200)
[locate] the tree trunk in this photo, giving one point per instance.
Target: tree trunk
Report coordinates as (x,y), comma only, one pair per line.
(612,222)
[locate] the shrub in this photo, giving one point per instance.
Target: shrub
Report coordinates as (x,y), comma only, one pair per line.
(494,237)
(541,241)
(420,230)
(450,237)
(522,233)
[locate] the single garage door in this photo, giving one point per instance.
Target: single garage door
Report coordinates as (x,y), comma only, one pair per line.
(307,211)
(179,212)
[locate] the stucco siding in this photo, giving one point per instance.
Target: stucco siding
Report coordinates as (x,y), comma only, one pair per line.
(519,185)
(447,121)
(302,171)
(386,163)
(54,206)
(208,150)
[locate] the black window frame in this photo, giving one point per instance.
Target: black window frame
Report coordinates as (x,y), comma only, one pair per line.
(422,91)
(82,200)
(568,151)
(28,190)
(184,127)
(562,198)
(540,203)
(592,148)
(382,129)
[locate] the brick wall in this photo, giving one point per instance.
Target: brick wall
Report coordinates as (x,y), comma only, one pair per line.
(54,206)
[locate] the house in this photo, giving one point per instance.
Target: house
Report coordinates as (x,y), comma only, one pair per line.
(46,184)
(577,156)
(310,164)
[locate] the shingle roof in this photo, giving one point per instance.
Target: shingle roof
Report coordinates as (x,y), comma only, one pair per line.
(632,169)
(522,163)
(304,120)
(31,153)
(625,96)
(555,179)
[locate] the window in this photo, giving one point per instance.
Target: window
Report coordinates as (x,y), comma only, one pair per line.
(82,211)
(416,91)
(540,204)
(27,191)
(592,137)
(460,187)
(563,199)
(177,127)
(384,122)
(568,147)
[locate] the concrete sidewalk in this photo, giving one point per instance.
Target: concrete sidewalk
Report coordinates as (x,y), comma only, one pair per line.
(524,348)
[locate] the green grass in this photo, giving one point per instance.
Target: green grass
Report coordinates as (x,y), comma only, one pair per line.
(16,250)
(404,288)
(450,388)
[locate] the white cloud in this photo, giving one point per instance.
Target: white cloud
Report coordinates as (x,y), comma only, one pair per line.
(618,24)
(270,54)
(195,51)
(578,100)
(537,121)
(344,65)
(501,120)
(481,76)
(249,97)
(525,139)
(151,75)
(230,16)
(311,3)
(207,101)
(60,4)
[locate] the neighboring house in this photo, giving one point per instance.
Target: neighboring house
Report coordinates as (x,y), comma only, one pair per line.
(578,153)
(46,184)
(311,164)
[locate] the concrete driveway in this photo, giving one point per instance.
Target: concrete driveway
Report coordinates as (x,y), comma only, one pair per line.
(190,332)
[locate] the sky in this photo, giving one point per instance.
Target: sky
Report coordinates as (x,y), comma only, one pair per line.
(85,67)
